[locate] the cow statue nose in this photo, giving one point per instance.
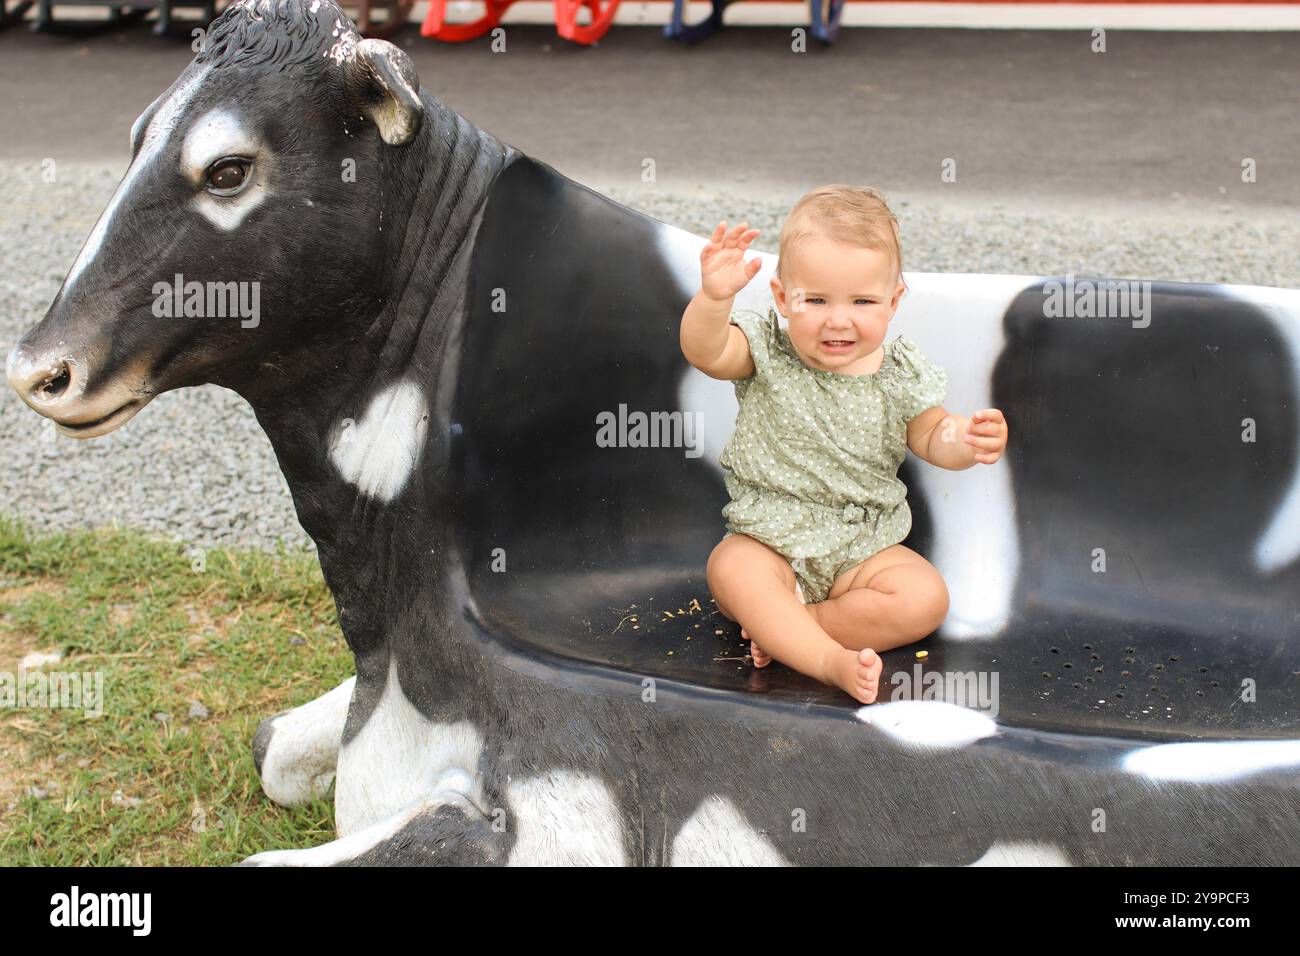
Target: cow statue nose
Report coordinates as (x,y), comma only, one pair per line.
(42,382)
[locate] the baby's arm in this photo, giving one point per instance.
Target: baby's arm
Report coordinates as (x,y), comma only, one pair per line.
(708,339)
(956,442)
(711,343)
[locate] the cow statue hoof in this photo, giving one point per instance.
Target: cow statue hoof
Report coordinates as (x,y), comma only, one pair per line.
(297,752)
(449,833)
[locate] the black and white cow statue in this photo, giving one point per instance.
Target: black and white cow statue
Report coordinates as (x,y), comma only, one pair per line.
(445,325)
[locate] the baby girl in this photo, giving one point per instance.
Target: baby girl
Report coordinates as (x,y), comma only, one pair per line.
(811,565)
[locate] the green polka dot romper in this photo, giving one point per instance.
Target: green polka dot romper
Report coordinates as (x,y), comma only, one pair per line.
(812,467)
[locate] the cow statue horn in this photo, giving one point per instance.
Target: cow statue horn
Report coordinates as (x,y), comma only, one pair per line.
(389,86)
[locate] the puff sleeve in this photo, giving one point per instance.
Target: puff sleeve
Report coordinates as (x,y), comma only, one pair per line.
(916,383)
(761,331)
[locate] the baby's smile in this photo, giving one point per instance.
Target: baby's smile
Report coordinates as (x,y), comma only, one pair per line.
(841,355)
(838,346)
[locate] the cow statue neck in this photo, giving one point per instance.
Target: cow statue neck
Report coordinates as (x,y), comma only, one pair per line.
(354,414)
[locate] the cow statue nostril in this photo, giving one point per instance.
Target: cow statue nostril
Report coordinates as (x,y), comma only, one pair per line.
(45,383)
(56,388)
(56,385)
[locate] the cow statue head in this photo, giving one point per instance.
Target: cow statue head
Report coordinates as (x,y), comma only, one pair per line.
(249,224)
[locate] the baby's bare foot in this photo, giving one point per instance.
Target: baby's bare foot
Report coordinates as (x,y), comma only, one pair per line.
(761,657)
(857,673)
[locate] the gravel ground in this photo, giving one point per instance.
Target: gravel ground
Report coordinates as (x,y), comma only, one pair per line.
(194,465)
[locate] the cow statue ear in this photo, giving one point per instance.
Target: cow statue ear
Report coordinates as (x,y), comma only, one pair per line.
(389,89)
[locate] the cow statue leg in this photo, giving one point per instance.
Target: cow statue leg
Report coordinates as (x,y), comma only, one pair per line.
(407,790)
(296,752)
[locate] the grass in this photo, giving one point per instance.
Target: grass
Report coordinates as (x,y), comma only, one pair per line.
(246,633)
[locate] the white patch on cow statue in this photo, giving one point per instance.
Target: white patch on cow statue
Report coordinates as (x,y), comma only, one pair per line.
(378,452)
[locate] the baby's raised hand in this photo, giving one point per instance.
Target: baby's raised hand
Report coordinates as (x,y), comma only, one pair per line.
(723,269)
(987,435)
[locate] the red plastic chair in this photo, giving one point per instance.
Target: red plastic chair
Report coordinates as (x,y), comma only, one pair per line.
(602,18)
(566,20)
(436,25)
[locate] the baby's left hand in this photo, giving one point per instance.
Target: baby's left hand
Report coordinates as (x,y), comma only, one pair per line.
(987,435)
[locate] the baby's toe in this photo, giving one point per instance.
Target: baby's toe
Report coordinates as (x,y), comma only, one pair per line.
(869,667)
(870,663)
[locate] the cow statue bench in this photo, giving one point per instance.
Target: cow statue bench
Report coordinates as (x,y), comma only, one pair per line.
(445,326)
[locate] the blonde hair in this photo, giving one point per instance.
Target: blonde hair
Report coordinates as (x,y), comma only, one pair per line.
(857,215)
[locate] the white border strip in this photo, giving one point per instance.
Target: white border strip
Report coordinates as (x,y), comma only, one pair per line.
(976,16)
(1037,16)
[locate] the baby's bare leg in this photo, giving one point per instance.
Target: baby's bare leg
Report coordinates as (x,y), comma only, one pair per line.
(755,586)
(892,599)
(759,656)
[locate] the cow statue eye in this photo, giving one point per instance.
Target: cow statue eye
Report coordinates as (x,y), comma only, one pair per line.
(226,177)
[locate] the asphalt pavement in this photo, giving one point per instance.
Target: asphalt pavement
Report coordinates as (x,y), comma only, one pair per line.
(1158,125)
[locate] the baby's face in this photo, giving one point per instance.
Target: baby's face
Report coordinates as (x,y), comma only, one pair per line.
(838,299)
